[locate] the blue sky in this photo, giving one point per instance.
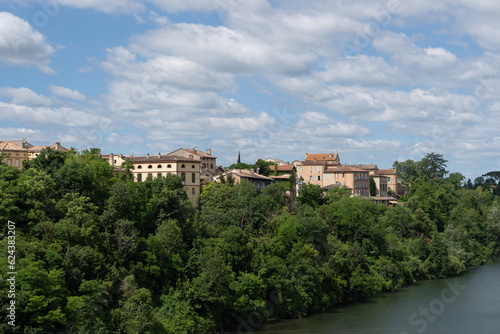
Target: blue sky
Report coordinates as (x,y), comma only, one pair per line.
(377,81)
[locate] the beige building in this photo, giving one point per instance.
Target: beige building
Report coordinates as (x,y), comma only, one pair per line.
(381,185)
(207,160)
(393,183)
(357,180)
(153,166)
(16,152)
(20,150)
(34,151)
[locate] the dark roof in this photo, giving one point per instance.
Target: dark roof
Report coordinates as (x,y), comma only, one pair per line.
(244,173)
(387,171)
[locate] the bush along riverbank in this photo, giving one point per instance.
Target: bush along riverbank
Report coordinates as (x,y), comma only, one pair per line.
(98,253)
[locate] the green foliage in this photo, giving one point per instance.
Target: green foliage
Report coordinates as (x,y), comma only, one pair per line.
(96,253)
(372,187)
(311,195)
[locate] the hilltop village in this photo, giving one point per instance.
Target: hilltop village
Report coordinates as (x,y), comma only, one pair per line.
(197,168)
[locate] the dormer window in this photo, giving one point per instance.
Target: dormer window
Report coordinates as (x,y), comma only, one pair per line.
(169,166)
(159,166)
(150,167)
(139,167)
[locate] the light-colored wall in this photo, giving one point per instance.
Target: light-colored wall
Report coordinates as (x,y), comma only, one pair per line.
(15,158)
(176,167)
(305,172)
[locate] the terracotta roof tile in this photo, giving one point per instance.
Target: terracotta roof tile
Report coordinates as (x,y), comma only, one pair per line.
(10,146)
(161,158)
(282,168)
(322,156)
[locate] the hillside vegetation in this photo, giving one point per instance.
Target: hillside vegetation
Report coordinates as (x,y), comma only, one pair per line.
(98,253)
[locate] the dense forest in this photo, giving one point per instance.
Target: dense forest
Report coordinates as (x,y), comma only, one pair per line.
(98,253)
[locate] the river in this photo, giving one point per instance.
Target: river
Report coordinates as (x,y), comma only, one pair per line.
(469,303)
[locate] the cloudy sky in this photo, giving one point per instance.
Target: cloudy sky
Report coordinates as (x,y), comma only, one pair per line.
(377,81)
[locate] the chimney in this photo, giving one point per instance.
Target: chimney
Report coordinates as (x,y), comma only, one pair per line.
(306,157)
(159,155)
(147,155)
(190,156)
(58,146)
(209,151)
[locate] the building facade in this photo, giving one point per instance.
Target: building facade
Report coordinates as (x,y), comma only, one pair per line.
(207,161)
(257,180)
(18,151)
(153,166)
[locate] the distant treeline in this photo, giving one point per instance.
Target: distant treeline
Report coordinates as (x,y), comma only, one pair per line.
(98,253)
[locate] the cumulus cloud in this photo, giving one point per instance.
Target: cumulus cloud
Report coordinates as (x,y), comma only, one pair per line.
(24,96)
(20,45)
(67,93)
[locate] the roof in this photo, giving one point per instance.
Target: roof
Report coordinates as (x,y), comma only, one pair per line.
(364,166)
(245,173)
(316,163)
(322,156)
(41,147)
(10,146)
(194,151)
(282,168)
(280,177)
(161,158)
(387,171)
(343,169)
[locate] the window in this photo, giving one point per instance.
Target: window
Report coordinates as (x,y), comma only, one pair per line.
(300,169)
(150,175)
(389,179)
(193,191)
(9,162)
(159,175)
(139,177)
(211,165)
(319,169)
(17,162)
(150,167)
(327,176)
(159,166)
(169,166)
(310,169)
(203,165)
(342,174)
(139,167)
(193,178)
(310,178)
(192,166)
(183,166)
(319,177)
(183,177)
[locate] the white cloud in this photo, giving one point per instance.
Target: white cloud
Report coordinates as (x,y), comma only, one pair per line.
(61,116)
(67,93)
(108,6)
(24,96)
(19,133)
(20,45)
